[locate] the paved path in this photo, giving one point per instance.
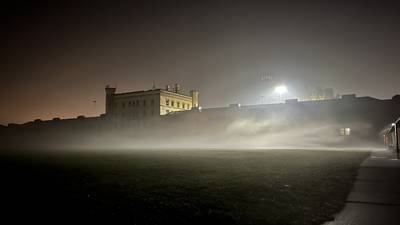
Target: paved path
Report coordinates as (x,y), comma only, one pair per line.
(375,197)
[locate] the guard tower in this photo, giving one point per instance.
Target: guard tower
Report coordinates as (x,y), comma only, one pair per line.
(110,91)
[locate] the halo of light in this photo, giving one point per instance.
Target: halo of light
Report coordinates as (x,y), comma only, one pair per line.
(280,89)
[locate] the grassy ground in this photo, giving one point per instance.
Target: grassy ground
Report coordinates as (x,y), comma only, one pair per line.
(179,187)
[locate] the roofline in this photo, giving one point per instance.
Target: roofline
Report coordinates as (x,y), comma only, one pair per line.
(137,92)
(152,90)
(174,93)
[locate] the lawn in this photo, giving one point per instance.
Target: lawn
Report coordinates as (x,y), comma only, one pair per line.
(178,186)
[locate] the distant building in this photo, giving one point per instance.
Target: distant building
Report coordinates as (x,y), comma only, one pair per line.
(138,105)
(316,93)
(346,120)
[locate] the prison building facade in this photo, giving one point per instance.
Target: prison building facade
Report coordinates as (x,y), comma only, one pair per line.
(144,105)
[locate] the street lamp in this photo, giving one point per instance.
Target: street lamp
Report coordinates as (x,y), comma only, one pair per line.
(280,90)
(397,138)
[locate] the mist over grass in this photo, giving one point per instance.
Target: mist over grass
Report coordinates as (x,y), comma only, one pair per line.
(286,130)
(240,134)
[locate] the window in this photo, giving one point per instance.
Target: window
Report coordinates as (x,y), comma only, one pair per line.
(133,103)
(172,103)
(178,104)
(188,106)
(137,103)
(183,105)
(166,101)
(345,131)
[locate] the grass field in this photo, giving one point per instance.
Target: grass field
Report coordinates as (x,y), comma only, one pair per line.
(178,187)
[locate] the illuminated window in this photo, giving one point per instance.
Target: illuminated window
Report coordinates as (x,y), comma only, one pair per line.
(345,131)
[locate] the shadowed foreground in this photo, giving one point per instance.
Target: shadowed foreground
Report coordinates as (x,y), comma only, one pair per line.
(178,187)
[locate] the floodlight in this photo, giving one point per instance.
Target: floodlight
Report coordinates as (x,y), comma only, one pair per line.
(281,89)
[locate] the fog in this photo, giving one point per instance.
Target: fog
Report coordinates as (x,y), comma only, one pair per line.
(242,134)
(228,130)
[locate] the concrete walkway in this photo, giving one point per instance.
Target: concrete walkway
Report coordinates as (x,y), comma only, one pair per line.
(375,197)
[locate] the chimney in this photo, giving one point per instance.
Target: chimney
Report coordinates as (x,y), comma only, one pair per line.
(177,88)
(168,87)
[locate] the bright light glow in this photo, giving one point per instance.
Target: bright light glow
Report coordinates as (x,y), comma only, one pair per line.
(345,131)
(393,124)
(281,89)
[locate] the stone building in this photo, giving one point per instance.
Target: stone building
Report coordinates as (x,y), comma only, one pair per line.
(140,105)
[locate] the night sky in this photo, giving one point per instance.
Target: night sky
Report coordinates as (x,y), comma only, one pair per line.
(57,57)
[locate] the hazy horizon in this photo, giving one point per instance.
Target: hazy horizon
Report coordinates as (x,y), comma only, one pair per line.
(58,56)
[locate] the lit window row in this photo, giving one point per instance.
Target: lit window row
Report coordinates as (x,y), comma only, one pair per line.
(178,104)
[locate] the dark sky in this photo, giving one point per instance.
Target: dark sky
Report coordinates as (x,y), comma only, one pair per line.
(57,57)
